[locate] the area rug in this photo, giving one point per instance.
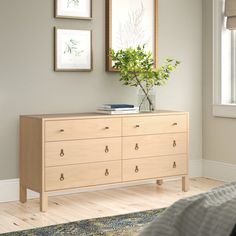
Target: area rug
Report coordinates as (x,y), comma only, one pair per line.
(121,225)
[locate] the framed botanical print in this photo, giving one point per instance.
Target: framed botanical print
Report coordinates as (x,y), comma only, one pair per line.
(130,23)
(75,9)
(73,50)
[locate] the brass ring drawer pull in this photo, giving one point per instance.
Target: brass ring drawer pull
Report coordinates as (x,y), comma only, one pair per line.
(136,147)
(62,154)
(62,130)
(62,178)
(106,149)
(107,127)
(136,169)
(137,126)
(175,124)
(174,143)
(174,165)
(107,172)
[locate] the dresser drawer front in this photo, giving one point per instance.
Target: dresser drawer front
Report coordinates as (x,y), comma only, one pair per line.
(155,167)
(154,145)
(74,176)
(82,151)
(82,129)
(154,125)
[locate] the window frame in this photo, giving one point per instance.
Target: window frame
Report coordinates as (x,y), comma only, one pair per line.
(220,108)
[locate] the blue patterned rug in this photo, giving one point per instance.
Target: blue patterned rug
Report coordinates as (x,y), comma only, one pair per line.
(121,225)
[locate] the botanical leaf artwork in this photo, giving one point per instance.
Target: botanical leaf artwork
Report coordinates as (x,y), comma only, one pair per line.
(131,33)
(73,51)
(75,2)
(71,47)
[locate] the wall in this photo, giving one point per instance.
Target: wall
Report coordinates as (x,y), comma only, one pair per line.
(29,85)
(180,37)
(218,133)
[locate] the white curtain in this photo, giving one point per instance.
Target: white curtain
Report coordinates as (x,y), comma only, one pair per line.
(230,13)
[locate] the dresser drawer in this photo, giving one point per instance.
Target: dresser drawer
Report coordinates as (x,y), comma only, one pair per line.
(82,151)
(82,129)
(154,124)
(82,175)
(154,145)
(154,167)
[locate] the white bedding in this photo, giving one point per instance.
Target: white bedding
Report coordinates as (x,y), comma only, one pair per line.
(209,214)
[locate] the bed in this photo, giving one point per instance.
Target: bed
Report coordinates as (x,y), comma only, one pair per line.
(208,214)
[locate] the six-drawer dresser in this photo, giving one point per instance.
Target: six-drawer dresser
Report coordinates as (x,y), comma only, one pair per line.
(66,151)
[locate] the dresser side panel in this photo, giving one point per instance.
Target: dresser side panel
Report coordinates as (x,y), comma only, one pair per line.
(31,153)
(187,140)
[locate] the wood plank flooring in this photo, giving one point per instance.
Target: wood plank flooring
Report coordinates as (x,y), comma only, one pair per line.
(16,216)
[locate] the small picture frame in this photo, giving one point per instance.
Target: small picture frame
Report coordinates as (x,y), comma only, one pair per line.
(73,9)
(73,50)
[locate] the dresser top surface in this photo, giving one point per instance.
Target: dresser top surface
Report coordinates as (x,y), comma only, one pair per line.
(98,115)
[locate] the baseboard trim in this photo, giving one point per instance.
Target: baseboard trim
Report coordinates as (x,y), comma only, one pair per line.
(195,168)
(219,170)
(10,188)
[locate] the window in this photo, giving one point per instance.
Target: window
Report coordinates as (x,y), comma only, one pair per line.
(224,64)
(227,66)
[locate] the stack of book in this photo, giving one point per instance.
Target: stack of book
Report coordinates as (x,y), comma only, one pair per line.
(117,109)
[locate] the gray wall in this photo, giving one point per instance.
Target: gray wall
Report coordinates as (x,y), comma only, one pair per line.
(218,133)
(29,85)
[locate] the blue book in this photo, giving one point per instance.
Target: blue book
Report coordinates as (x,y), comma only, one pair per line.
(113,106)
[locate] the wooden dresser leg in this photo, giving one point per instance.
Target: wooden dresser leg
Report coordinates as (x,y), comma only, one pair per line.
(23,193)
(43,202)
(159,182)
(185,183)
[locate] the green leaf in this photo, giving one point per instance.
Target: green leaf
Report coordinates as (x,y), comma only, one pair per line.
(136,68)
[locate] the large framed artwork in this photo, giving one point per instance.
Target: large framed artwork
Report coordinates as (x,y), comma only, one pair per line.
(75,9)
(73,50)
(130,23)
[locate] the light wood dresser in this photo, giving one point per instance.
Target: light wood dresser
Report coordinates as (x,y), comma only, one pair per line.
(59,152)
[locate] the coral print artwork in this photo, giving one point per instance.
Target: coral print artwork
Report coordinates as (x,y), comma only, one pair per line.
(132,23)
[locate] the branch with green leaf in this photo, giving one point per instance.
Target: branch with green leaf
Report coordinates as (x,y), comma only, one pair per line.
(136,69)
(71,47)
(75,2)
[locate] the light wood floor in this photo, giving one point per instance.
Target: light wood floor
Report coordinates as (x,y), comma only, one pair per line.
(15,216)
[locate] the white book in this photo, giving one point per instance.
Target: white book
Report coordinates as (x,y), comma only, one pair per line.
(117,109)
(118,112)
(113,106)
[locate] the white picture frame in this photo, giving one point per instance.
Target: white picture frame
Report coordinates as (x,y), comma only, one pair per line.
(73,9)
(73,50)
